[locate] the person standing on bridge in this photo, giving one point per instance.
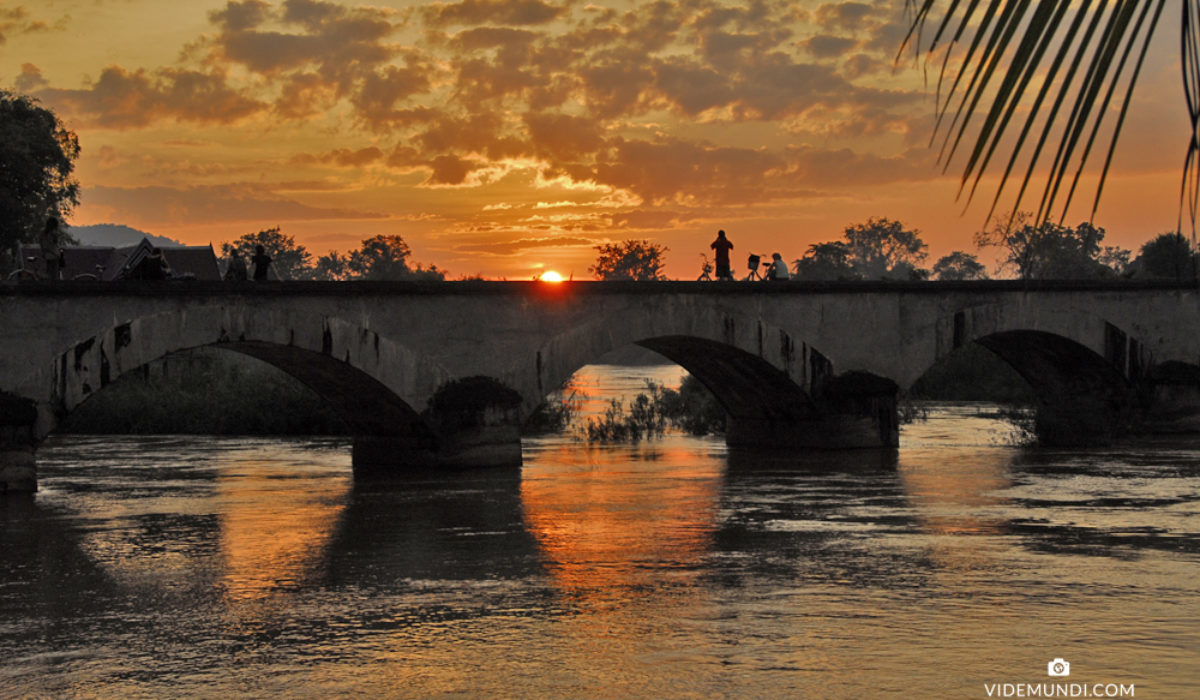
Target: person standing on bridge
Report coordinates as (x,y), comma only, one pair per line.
(236,272)
(51,252)
(261,262)
(722,246)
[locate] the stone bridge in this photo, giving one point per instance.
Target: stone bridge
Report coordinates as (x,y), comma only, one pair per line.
(444,373)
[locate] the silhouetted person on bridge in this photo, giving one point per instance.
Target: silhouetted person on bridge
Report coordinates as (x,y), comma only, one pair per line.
(722,246)
(261,262)
(779,269)
(236,272)
(51,252)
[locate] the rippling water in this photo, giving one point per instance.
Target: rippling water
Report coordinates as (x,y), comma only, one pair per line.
(184,566)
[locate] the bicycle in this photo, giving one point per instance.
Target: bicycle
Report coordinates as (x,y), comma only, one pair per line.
(28,272)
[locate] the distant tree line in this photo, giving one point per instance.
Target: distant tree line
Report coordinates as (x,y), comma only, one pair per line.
(382,257)
(885,249)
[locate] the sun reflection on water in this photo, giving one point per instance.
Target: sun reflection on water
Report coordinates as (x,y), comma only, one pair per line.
(274,529)
(606,530)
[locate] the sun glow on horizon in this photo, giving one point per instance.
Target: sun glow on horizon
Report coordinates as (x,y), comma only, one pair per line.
(551,276)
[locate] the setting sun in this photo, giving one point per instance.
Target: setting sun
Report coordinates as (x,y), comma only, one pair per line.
(551,276)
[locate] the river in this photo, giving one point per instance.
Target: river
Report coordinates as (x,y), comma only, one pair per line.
(188,566)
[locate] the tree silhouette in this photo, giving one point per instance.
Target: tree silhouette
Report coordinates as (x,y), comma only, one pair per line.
(883,248)
(385,257)
(37,157)
(1167,256)
(959,266)
(879,249)
(826,262)
(290,260)
(331,268)
(629,260)
(382,257)
(1052,251)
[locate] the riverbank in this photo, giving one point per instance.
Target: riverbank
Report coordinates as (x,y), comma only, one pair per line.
(205,391)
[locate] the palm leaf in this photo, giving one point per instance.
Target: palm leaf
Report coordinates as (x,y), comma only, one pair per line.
(1189,189)
(1064,63)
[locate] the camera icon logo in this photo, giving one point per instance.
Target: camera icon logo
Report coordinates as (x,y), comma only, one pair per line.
(1058,667)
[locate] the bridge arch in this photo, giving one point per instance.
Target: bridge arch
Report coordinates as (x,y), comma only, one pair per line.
(692,332)
(1082,368)
(1120,349)
(373,382)
(761,374)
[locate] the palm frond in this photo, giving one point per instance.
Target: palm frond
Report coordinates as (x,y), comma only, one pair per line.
(1189,189)
(1041,72)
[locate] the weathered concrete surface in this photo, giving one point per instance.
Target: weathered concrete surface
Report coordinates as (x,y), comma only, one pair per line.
(1172,391)
(380,352)
(18,439)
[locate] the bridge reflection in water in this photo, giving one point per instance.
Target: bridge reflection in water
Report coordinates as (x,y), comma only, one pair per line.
(173,565)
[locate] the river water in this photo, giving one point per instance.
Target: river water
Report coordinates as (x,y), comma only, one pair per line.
(217,567)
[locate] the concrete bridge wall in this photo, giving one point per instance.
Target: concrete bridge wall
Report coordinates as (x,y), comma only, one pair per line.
(382,352)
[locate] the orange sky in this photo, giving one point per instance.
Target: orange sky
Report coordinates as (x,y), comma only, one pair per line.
(503,137)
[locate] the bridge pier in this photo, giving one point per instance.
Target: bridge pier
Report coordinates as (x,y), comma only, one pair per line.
(835,432)
(18,464)
(18,470)
(493,444)
(1173,391)
(853,410)
(472,422)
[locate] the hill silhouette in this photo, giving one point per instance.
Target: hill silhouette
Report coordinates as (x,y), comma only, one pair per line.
(116,235)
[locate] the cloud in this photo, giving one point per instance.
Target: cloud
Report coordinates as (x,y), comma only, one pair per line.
(846,168)
(482,133)
(692,88)
(11,18)
(672,170)
(642,219)
(30,78)
(843,15)
(562,137)
(613,85)
(16,20)
(669,110)
(512,12)
(157,205)
(381,90)
(519,245)
(826,46)
(344,157)
(315,48)
(449,170)
(333,37)
(303,95)
(121,99)
(506,38)
(861,64)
